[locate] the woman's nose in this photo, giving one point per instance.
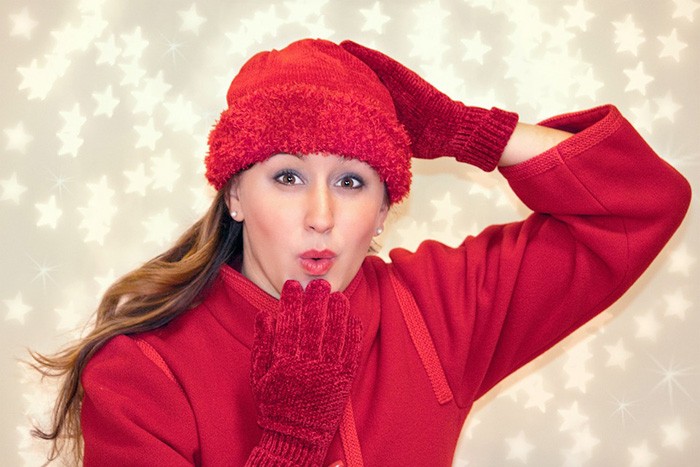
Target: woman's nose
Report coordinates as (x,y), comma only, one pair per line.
(319,210)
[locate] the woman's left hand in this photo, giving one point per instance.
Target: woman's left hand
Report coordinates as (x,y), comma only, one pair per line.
(439,126)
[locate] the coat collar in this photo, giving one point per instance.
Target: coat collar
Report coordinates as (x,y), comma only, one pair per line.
(234,301)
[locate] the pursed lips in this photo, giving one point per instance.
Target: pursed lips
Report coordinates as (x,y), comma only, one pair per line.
(317,262)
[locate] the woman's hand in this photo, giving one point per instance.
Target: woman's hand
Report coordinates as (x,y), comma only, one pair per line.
(303,364)
(438,125)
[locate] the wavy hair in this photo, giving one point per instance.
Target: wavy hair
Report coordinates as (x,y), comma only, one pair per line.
(144,299)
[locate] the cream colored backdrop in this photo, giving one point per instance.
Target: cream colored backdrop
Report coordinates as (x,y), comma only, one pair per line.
(106,106)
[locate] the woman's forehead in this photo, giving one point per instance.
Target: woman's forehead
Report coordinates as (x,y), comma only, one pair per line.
(328,159)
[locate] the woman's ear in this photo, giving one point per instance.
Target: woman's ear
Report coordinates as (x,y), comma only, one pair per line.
(383,213)
(233,201)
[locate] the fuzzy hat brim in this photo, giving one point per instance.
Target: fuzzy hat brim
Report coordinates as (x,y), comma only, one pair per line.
(304,119)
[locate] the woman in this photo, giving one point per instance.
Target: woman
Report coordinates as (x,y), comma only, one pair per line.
(267,336)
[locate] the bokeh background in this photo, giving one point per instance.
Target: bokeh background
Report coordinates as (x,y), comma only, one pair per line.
(106,107)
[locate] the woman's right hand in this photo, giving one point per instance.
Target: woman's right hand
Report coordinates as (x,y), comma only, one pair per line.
(304,361)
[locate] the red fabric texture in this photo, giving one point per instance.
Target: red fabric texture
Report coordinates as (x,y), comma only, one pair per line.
(604,206)
(310,97)
(304,360)
(155,357)
(421,340)
(350,440)
(439,126)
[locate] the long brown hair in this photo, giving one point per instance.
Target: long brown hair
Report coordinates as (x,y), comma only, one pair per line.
(144,299)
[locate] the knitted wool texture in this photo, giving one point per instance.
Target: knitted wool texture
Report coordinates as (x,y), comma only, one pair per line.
(310,97)
(437,125)
(303,364)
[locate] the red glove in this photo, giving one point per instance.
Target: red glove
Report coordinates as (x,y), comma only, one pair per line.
(303,365)
(439,126)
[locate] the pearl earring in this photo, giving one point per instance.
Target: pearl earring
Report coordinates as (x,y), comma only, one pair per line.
(234,214)
(379,230)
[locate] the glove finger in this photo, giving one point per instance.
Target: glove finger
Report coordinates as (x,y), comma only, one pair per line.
(353,344)
(401,82)
(313,319)
(336,327)
(261,355)
(413,97)
(382,65)
(287,328)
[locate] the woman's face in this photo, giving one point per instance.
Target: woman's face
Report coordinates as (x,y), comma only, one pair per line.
(305,218)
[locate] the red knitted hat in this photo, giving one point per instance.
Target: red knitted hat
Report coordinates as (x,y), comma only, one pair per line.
(310,97)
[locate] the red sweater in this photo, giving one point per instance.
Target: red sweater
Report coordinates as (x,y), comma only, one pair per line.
(604,205)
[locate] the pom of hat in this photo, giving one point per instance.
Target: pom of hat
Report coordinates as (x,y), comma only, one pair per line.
(312,97)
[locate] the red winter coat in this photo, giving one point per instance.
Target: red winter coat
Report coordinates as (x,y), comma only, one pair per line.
(604,205)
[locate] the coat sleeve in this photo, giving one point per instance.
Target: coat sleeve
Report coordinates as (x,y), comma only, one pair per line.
(604,205)
(133,411)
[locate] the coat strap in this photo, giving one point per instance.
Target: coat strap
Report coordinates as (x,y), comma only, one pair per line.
(421,339)
(152,354)
(348,435)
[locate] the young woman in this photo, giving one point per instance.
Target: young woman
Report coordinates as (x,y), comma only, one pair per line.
(268,336)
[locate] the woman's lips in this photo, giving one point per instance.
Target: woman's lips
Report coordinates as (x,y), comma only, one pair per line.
(317,263)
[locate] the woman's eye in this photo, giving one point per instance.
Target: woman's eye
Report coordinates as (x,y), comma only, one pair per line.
(288,178)
(351,181)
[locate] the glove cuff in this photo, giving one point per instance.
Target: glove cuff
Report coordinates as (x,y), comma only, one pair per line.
(481,135)
(279,450)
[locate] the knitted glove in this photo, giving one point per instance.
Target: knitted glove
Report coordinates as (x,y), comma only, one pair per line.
(439,126)
(303,365)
